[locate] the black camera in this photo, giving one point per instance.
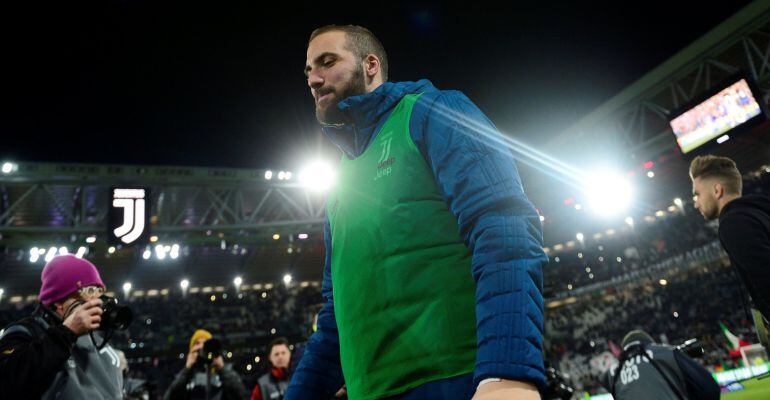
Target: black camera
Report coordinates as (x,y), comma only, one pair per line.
(557,388)
(211,349)
(691,347)
(114,316)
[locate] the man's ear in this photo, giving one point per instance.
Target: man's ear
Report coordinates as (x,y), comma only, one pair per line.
(719,190)
(371,66)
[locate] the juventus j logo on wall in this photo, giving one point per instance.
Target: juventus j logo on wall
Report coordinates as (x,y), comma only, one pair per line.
(128,215)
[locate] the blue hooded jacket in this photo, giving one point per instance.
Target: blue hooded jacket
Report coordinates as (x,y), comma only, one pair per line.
(481,186)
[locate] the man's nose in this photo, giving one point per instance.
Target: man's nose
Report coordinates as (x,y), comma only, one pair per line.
(315,81)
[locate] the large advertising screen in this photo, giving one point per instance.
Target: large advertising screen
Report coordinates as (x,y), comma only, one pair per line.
(729,108)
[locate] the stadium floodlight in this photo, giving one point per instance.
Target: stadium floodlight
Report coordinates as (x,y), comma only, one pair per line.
(184,284)
(287,279)
(127,287)
(160,251)
(50,254)
(317,176)
(678,202)
(8,167)
(579,236)
(174,253)
(237,282)
(34,255)
(608,193)
(268,175)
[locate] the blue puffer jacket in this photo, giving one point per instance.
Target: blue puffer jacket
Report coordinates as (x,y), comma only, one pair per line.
(481,186)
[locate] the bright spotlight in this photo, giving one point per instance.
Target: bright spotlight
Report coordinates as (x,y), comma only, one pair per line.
(317,176)
(91,239)
(81,252)
(34,255)
(111,249)
(174,253)
(287,279)
(50,254)
(8,167)
(268,175)
(608,193)
(237,281)
(630,221)
(678,202)
(650,174)
(146,254)
(184,284)
(579,236)
(127,287)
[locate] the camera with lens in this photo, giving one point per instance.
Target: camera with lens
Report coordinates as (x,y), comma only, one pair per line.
(211,349)
(114,316)
(557,387)
(692,348)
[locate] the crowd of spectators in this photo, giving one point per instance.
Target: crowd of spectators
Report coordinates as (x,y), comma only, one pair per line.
(667,276)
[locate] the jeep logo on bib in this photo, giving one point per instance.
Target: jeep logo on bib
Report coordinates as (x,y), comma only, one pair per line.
(386,161)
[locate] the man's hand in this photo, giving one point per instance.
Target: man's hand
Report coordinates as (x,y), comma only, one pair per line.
(192,356)
(85,318)
(506,390)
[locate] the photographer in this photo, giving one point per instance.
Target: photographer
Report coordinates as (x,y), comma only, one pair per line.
(651,371)
(50,354)
(201,380)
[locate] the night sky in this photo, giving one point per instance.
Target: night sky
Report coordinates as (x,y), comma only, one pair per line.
(186,83)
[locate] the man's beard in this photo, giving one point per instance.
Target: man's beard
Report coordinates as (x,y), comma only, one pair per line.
(331,114)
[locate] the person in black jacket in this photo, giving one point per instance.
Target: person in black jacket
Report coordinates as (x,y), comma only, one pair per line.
(744,222)
(50,354)
(191,382)
(652,371)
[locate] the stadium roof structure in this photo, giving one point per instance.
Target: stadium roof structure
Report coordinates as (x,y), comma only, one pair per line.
(636,119)
(226,222)
(632,128)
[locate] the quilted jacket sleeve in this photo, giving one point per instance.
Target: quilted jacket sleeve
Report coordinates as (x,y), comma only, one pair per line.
(478,177)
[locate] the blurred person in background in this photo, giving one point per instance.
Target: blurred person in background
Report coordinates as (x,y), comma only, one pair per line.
(272,385)
(49,354)
(194,382)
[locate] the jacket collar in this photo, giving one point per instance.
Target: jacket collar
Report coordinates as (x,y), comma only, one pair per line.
(367,113)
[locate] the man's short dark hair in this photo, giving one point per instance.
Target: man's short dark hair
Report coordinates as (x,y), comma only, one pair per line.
(277,342)
(360,41)
(721,168)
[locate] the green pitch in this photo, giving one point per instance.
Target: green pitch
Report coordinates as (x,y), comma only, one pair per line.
(755,390)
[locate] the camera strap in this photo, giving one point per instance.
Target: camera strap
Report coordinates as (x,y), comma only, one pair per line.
(105,339)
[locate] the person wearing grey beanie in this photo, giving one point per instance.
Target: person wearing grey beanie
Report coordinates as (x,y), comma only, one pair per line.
(50,354)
